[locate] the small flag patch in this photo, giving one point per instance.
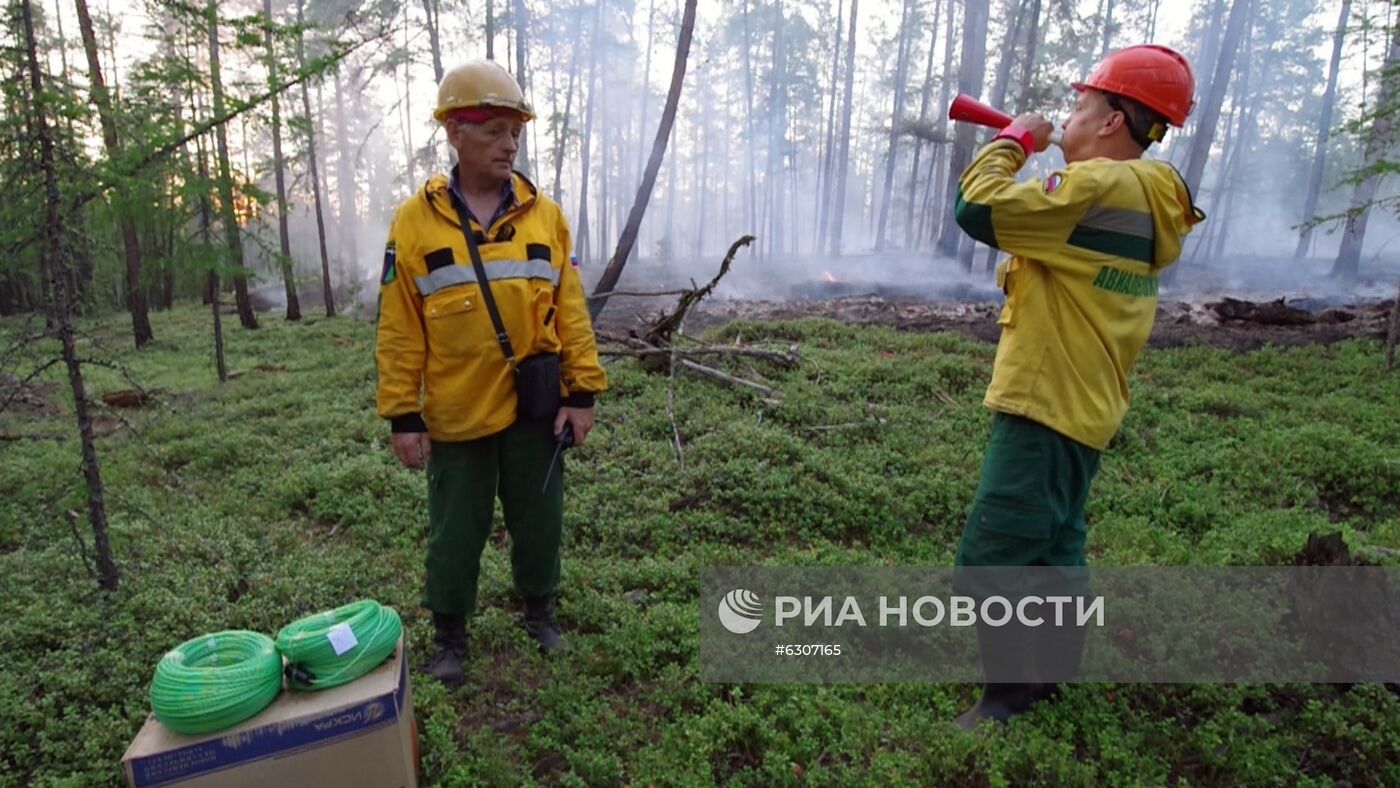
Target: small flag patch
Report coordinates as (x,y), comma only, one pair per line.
(1053,182)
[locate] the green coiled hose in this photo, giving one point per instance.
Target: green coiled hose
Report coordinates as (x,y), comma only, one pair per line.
(338,646)
(216,681)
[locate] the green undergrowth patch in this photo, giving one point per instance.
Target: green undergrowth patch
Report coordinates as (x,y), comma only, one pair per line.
(251,503)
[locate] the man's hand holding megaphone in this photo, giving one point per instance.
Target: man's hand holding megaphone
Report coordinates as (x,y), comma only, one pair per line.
(1042,131)
(1032,130)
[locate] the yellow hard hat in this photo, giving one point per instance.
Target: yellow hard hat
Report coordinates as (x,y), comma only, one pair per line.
(480,84)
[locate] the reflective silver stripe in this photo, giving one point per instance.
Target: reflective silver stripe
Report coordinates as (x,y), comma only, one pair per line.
(496,271)
(444,277)
(1119,220)
(527,269)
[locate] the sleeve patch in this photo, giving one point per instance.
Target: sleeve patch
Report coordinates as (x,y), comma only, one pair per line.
(1054,182)
(391,269)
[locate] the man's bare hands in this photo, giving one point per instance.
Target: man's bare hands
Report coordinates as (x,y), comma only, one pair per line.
(581,418)
(413,449)
(1038,126)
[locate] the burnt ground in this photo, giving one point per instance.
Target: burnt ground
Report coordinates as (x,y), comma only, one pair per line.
(969,307)
(1179,323)
(1292,302)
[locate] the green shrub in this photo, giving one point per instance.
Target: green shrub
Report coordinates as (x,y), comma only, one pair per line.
(252,503)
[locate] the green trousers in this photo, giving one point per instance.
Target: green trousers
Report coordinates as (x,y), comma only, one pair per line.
(1029,505)
(464,480)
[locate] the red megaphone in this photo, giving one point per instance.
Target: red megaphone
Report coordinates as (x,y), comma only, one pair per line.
(969,110)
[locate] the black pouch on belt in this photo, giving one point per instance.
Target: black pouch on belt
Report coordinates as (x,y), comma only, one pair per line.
(536,377)
(537,386)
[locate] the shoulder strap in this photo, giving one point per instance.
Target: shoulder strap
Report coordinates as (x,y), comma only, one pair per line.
(501,336)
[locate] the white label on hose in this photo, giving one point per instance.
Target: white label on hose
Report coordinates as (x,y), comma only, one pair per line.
(342,638)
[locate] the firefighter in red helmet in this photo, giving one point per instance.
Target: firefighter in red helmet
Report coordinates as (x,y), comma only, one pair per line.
(1085,246)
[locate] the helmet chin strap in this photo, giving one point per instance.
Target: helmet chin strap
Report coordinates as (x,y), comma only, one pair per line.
(1143,138)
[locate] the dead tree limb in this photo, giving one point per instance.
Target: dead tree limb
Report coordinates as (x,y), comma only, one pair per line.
(671,402)
(24,342)
(662,330)
(725,377)
(621,339)
(611,293)
(788,359)
(1273,313)
(72,518)
(660,352)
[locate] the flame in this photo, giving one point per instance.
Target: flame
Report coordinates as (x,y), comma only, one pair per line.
(827,277)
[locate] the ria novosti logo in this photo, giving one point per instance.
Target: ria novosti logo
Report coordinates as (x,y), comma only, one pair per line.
(740,611)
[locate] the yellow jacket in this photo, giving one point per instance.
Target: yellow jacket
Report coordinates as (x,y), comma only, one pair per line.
(440,367)
(1087,245)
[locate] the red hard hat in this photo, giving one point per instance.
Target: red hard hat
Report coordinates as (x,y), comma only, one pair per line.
(1154,76)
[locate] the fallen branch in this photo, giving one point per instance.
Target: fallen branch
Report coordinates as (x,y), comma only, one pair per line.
(671,402)
(635,294)
(724,377)
(787,360)
(129,398)
(663,329)
(675,354)
(621,339)
(72,518)
(659,347)
(1273,313)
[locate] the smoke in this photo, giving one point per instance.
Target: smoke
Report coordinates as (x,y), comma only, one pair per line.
(707,194)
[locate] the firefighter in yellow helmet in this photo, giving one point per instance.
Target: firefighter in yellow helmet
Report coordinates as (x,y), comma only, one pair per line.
(486,358)
(1086,246)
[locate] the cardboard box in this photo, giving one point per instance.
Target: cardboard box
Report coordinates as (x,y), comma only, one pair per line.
(358,734)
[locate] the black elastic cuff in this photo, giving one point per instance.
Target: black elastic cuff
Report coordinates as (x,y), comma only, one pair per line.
(582,399)
(409,422)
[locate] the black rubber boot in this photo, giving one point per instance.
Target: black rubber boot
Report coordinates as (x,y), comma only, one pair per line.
(1059,652)
(542,625)
(450,650)
(1008,669)
(999,703)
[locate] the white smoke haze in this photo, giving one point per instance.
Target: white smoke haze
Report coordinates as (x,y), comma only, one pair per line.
(700,200)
